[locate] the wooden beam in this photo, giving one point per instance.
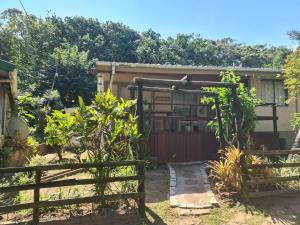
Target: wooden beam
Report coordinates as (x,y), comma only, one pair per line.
(273,152)
(141,168)
(272,165)
(220,124)
(181,83)
(70,166)
(92,199)
(272,180)
(6,81)
(171,90)
(68,182)
(187,77)
(275,118)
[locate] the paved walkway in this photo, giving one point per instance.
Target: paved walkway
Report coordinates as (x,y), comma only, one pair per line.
(189,189)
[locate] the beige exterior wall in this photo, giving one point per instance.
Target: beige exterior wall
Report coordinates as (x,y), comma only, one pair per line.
(117,76)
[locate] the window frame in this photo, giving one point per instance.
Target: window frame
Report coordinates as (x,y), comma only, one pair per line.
(274,93)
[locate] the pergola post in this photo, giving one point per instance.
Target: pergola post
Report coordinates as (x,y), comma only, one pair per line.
(238,125)
(141,169)
(132,97)
(236,108)
(220,124)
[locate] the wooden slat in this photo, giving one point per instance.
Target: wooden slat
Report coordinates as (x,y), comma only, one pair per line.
(271,193)
(265,118)
(273,152)
(181,83)
(69,182)
(272,165)
(272,180)
(93,199)
(70,166)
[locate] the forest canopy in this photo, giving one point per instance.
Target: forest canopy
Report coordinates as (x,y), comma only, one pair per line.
(40,47)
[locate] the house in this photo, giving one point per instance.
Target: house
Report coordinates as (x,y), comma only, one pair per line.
(8,91)
(174,115)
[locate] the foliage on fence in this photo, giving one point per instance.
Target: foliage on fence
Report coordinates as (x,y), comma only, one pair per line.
(248,101)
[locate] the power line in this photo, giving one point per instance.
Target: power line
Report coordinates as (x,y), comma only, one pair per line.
(23,8)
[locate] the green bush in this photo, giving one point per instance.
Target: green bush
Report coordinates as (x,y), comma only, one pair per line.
(59,130)
(4,156)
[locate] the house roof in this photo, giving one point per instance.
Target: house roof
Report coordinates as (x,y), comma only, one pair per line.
(6,66)
(104,66)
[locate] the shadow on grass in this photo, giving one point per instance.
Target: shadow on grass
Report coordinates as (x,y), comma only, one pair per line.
(132,218)
(281,209)
(154,220)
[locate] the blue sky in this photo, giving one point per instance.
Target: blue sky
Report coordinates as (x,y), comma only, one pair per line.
(246,21)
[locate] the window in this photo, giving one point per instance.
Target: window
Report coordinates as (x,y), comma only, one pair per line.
(182,103)
(272,91)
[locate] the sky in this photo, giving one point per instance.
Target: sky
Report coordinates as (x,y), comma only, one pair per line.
(245,21)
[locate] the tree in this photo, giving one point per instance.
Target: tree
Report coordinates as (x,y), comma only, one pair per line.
(148,47)
(33,44)
(74,76)
(295,35)
(292,73)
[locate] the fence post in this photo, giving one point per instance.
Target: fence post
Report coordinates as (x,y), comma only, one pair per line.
(36,197)
(141,169)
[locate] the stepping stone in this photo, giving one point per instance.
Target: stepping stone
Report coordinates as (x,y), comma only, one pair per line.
(192,212)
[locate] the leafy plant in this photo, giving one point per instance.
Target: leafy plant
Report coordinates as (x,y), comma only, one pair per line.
(290,171)
(107,131)
(4,156)
(248,101)
(35,110)
(292,73)
(226,173)
(58,130)
(295,121)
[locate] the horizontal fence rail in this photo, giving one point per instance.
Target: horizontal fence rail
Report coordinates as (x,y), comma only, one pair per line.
(251,181)
(40,184)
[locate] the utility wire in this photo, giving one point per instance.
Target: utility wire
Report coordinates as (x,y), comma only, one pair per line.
(29,50)
(23,8)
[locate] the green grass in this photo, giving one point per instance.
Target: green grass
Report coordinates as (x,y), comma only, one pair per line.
(162,210)
(227,213)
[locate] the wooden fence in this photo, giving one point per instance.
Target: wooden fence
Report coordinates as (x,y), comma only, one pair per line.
(273,162)
(38,184)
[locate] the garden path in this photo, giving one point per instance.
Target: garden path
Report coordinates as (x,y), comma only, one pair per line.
(190,190)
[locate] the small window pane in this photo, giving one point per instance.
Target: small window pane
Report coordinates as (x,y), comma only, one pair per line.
(267,91)
(279,93)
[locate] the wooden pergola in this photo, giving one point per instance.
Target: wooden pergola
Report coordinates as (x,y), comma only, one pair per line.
(185,85)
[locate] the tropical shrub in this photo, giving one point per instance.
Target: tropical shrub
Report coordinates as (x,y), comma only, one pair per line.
(248,101)
(106,131)
(226,173)
(59,130)
(35,109)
